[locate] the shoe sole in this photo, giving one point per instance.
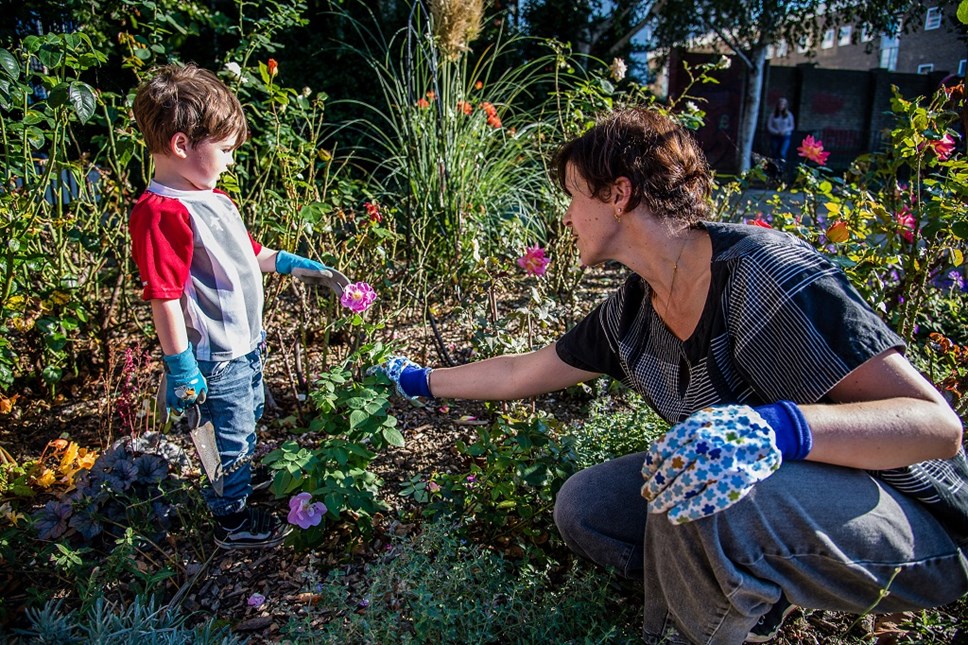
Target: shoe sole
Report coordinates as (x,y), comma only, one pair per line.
(765,638)
(234,546)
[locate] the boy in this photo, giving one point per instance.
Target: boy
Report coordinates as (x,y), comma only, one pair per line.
(202,272)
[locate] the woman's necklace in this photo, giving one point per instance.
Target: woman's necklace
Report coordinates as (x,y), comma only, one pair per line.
(675,274)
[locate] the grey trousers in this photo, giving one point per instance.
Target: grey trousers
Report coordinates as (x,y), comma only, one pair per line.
(826,537)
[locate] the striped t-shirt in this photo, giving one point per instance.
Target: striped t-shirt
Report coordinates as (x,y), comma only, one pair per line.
(193,245)
(781,322)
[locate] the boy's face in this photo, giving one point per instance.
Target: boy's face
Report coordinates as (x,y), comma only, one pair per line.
(205,162)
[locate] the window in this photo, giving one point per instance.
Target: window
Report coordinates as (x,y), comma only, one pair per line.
(961,66)
(843,35)
(828,39)
(866,34)
(889,46)
(770,52)
(927,68)
(932,20)
(782,49)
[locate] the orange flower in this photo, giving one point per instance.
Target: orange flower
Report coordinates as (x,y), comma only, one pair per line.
(812,149)
(494,121)
(431,95)
(479,85)
(465,107)
(838,232)
(273,67)
(423,103)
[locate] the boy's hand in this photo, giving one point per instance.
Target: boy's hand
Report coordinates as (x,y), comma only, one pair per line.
(709,462)
(410,379)
(184,384)
(310,271)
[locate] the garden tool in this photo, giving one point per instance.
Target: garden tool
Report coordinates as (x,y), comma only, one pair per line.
(202,434)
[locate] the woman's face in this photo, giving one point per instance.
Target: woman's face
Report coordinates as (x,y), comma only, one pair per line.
(781,104)
(591,220)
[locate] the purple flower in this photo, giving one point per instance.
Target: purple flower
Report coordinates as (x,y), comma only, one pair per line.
(357,297)
(256,600)
(303,512)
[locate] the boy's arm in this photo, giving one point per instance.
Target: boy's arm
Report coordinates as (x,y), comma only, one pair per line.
(170,326)
(304,269)
(184,383)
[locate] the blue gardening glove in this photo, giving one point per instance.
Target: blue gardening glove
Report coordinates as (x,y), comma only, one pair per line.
(184,384)
(410,379)
(310,271)
(709,462)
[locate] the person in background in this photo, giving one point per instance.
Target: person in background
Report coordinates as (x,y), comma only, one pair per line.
(807,463)
(780,126)
(202,272)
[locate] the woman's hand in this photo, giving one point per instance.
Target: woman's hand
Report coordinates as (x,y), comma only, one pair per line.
(709,462)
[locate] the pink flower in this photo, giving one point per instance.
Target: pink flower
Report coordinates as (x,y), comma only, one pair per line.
(256,600)
(357,297)
(534,261)
(812,149)
(303,512)
(942,147)
(433,487)
(906,223)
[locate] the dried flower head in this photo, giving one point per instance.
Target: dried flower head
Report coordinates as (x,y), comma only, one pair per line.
(456,24)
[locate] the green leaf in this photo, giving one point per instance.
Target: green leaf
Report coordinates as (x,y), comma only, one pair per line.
(356,418)
(82,98)
(9,65)
(393,437)
(960,229)
(963,12)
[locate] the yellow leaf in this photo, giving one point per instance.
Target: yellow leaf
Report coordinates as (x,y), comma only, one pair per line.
(833,208)
(67,461)
(957,257)
(47,477)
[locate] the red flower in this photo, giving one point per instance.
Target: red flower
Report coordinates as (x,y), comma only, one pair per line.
(494,121)
(942,147)
(373,212)
(273,67)
(465,107)
(423,103)
(812,149)
(759,221)
(906,223)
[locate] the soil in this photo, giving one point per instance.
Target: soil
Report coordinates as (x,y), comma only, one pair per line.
(219,583)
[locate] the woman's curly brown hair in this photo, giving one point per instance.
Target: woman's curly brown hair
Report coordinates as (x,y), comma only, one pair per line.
(668,171)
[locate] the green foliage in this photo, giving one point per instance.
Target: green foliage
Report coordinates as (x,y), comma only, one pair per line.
(896,223)
(506,497)
(436,587)
(103,622)
(352,427)
(615,424)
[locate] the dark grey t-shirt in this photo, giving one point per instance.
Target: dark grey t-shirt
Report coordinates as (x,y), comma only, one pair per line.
(781,322)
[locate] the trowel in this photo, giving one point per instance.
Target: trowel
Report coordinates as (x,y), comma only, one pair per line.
(202,434)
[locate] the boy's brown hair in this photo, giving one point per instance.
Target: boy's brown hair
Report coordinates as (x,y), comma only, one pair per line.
(188,99)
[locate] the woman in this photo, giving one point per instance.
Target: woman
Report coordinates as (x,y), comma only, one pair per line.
(780,125)
(802,373)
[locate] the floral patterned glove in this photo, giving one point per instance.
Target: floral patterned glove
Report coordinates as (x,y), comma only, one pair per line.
(410,379)
(709,462)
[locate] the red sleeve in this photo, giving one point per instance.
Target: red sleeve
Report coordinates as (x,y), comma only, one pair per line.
(161,243)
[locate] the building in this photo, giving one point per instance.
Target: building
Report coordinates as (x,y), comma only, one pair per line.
(935,44)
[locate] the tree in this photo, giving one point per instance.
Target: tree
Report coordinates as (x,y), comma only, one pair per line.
(746,28)
(600,28)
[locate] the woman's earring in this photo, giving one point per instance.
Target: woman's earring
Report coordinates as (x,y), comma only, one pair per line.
(617,214)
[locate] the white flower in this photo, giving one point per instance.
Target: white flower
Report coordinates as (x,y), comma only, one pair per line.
(725,62)
(234,69)
(306,92)
(691,106)
(618,69)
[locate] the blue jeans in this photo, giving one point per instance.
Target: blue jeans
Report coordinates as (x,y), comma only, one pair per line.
(235,403)
(779,146)
(826,537)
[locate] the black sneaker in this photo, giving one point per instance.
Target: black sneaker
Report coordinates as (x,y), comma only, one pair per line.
(769,624)
(261,477)
(253,528)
